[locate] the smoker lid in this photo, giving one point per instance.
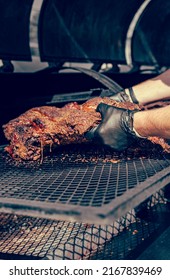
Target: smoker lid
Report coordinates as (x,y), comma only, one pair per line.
(85,30)
(89,31)
(123,32)
(14,30)
(151,40)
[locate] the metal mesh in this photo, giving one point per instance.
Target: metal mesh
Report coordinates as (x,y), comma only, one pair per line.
(72,180)
(24,237)
(151,220)
(28,236)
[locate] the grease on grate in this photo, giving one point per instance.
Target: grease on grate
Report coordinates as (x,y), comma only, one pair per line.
(92,154)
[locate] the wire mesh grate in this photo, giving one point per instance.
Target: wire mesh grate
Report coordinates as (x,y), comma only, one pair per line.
(34,237)
(30,237)
(79,177)
(136,238)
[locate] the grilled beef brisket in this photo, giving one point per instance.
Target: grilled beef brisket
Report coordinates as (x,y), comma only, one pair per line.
(48,126)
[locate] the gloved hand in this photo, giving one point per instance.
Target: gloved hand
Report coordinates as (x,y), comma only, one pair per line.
(115,129)
(121,96)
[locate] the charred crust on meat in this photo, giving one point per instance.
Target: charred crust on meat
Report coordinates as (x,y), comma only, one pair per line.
(38,123)
(20,129)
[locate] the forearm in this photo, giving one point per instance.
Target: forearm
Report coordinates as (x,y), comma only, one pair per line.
(153,89)
(153,122)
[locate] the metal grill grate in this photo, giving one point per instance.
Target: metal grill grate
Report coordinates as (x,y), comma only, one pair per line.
(29,236)
(71,180)
(24,237)
(149,224)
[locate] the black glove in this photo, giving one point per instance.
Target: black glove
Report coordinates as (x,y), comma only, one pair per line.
(115,129)
(121,96)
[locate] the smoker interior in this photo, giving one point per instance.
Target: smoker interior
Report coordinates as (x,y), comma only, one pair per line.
(79,203)
(83,201)
(78,188)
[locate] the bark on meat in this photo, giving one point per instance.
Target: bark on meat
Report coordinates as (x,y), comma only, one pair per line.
(48,126)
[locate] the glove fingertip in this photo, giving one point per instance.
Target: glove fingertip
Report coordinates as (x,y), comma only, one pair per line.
(90,134)
(101,108)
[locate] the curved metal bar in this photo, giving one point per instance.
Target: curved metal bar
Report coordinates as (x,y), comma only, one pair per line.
(130,32)
(33,31)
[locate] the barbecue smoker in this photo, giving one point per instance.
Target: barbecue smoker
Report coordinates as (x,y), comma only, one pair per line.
(81,202)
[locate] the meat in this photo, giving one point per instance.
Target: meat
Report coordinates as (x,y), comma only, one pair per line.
(45,127)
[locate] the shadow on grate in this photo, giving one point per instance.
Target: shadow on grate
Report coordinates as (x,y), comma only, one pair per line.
(35,238)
